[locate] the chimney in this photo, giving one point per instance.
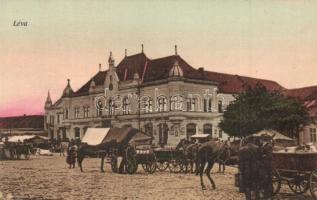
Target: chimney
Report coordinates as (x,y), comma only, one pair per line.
(100,67)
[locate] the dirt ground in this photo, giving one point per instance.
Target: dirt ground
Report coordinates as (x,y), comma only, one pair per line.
(49,178)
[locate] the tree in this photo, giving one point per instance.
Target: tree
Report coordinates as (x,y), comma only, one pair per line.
(257,109)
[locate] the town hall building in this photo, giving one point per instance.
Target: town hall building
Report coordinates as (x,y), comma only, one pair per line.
(166,98)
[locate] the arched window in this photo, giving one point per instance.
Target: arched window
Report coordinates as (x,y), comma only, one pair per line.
(207,105)
(190,130)
(76,112)
(111,107)
(162,104)
(99,108)
(191,104)
(86,111)
(126,106)
(148,129)
(147,104)
(176,102)
(220,110)
(77,132)
(208,129)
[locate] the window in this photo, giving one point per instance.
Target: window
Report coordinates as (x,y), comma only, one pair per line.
(190,130)
(207,105)
(162,104)
(176,103)
(148,129)
(99,108)
(52,119)
(208,129)
(76,112)
(148,105)
(191,104)
(163,134)
(126,106)
(58,121)
(77,132)
(66,114)
(111,107)
(220,133)
(313,136)
(86,111)
(220,110)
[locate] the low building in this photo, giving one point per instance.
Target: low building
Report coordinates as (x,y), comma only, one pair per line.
(166,97)
(22,125)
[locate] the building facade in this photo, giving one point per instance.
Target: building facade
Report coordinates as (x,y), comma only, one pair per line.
(165,97)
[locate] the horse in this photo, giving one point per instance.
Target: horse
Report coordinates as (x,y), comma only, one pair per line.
(255,156)
(209,152)
(232,158)
(190,151)
(101,151)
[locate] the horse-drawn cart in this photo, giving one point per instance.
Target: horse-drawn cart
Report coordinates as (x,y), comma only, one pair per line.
(297,169)
(125,148)
(171,158)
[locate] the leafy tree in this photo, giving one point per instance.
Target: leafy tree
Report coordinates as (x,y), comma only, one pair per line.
(257,109)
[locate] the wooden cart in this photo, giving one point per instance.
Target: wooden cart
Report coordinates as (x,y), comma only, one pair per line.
(296,169)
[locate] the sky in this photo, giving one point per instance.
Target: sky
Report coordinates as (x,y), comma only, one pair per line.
(271,39)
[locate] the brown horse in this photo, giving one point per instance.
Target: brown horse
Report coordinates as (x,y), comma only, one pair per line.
(100,151)
(208,153)
(255,166)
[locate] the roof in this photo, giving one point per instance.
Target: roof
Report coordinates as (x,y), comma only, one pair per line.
(229,83)
(157,69)
(131,65)
(25,121)
(305,93)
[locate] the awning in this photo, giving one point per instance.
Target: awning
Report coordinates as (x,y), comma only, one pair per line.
(270,133)
(95,136)
(200,136)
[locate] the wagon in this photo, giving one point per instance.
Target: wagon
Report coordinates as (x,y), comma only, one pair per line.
(172,159)
(134,146)
(297,169)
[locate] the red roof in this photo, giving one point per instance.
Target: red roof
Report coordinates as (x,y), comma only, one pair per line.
(26,121)
(157,69)
(305,93)
(229,83)
(131,65)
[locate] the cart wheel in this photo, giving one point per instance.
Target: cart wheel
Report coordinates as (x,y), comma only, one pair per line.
(276,182)
(131,162)
(162,166)
(185,166)
(151,166)
(174,166)
(313,184)
(114,164)
(299,184)
(27,156)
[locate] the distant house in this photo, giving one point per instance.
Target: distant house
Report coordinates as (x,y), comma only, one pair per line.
(22,125)
(307,95)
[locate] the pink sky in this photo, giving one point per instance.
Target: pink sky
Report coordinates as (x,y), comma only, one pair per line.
(274,40)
